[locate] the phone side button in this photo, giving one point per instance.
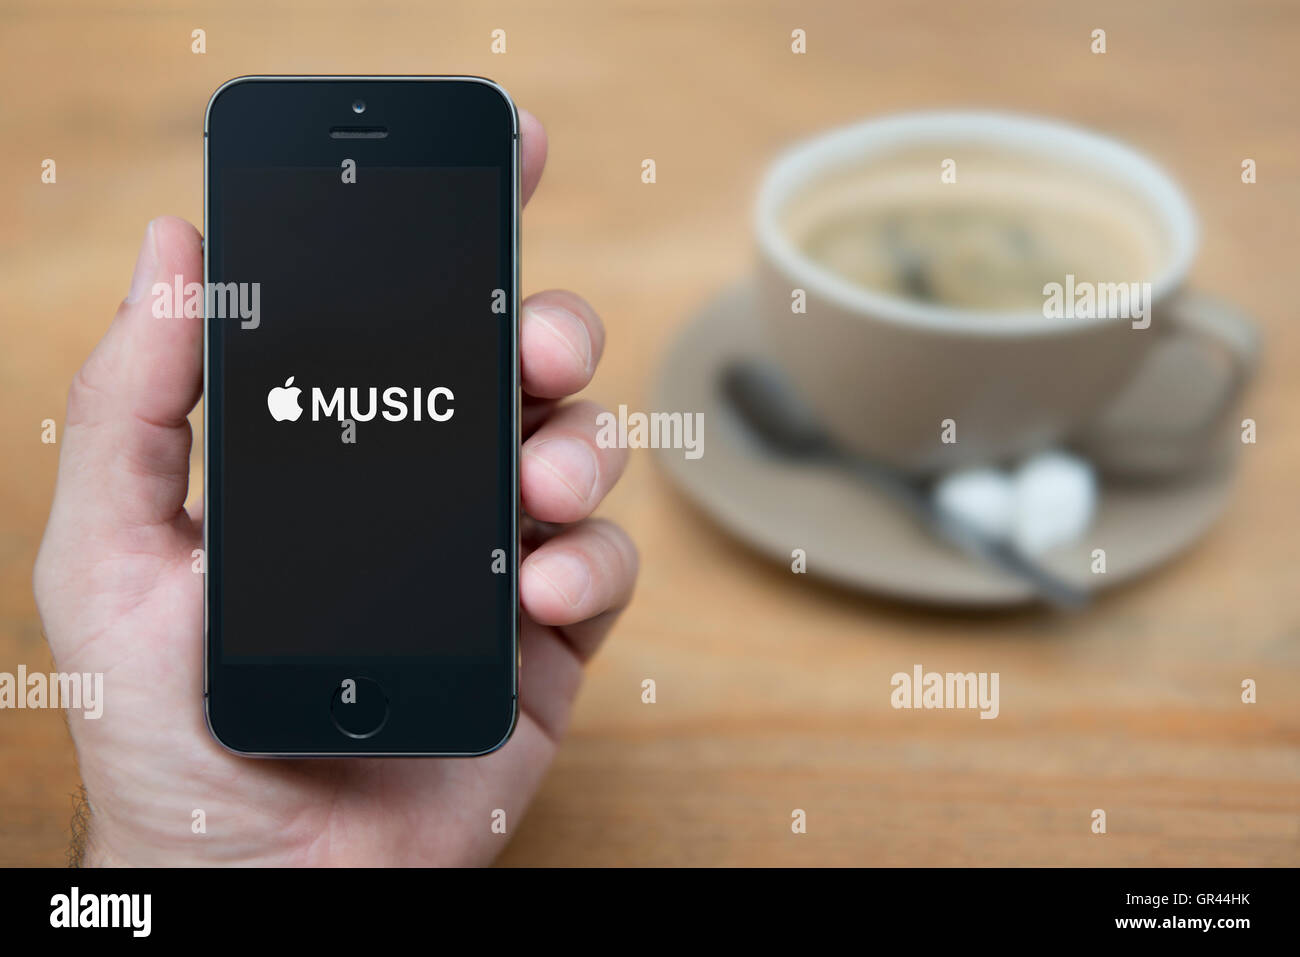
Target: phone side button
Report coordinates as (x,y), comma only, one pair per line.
(359,708)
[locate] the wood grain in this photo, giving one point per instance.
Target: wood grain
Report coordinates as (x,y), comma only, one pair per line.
(772,689)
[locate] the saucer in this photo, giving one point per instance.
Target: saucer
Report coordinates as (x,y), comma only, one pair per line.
(854,534)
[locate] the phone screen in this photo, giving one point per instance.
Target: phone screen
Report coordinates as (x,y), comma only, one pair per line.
(361,390)
(366,521)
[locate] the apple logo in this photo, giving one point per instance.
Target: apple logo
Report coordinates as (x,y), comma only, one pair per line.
(283,403)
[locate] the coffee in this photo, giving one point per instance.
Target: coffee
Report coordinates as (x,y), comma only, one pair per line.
(989,241)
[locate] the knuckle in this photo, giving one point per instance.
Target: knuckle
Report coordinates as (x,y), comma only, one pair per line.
(85,397)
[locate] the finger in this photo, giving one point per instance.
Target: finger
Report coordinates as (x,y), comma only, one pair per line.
(535,412)
(549,677)
(532,144)
(583,572)
(560,341)
(126,453)
(563,473)
(534,534)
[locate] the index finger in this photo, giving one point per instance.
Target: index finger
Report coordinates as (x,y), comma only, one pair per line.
(532,140)
(560,335)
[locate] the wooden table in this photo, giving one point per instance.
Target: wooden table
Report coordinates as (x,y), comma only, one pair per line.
(772,689)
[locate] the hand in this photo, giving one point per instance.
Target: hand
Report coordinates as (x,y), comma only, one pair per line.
(117,595)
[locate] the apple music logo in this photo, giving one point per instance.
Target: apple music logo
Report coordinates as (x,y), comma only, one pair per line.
(436,403)
(283,402)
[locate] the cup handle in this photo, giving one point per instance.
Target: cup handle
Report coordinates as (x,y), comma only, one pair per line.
(1212,324)
(1221,325)
(1146,451)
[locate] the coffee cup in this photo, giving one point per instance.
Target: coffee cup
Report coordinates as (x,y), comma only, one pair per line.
(949,289)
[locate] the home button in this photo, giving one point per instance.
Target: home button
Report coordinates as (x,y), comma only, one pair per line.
(359,707)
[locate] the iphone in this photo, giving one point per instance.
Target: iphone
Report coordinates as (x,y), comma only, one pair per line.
(361,415)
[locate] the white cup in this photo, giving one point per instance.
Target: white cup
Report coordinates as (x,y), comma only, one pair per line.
(885,373)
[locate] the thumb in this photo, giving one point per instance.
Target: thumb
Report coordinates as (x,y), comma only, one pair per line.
(125,457)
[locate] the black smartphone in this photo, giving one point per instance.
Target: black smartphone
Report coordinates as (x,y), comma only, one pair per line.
(361,415)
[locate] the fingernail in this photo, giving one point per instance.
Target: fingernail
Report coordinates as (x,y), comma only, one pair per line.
(572,461)
(566,573)
(146,267)
(570,330)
